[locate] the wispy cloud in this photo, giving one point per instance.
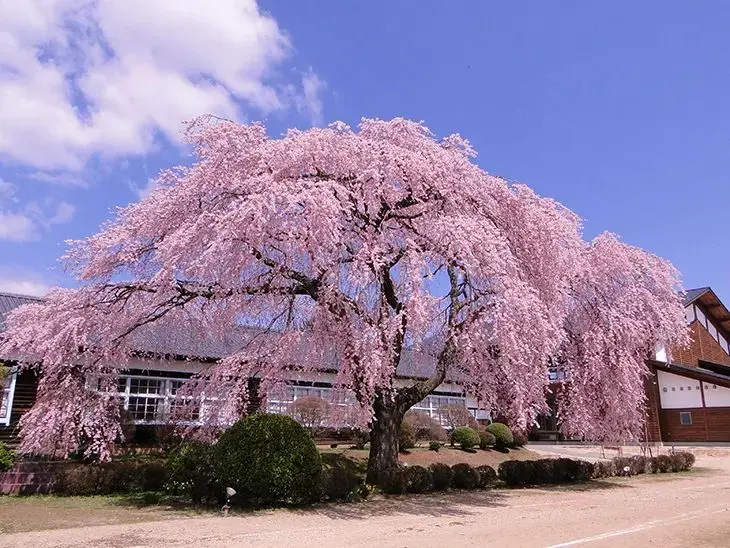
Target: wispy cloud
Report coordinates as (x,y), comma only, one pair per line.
(59,178)
(17,227)
(64,213)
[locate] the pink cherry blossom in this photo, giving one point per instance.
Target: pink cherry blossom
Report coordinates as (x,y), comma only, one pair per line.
(357,251)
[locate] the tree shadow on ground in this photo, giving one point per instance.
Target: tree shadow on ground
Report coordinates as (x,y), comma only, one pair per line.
(452,503)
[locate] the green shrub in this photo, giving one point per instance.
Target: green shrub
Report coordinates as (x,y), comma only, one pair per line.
(425,427)
(343,478)
(684,460)
(543,471)
(465,476)
(125,476)
(465,437)
(486,439)
(406,436)
(502,435)
(442,476)
(604,469)
(394,481)
(418,479)
(190,471)
(434,446)
(572,470)
(518,439)
(7,458)
(269,458)
(516,473)
(661,464)
(487,476)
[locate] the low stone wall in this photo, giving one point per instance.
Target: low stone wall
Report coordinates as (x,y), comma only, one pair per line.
(29,478)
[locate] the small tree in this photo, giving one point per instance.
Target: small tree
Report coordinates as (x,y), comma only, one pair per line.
(455,415)
(426,427)
(311,412)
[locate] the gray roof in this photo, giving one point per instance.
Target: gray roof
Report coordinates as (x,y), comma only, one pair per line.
(9,301)
(192,342)
(691,295)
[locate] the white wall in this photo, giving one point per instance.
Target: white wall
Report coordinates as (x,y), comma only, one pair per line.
(716,396)
(677,392)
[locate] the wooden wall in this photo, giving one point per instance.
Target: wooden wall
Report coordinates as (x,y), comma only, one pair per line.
(25,392)
(708,424)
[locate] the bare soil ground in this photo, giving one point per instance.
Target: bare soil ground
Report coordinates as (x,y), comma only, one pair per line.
(689,509)
(448,455)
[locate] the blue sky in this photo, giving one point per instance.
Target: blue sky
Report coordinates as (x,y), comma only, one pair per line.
(619,110)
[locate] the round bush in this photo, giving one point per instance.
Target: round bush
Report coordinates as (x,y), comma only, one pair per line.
(487,476)
(442,476)
(7,458)
(502,435)
(190,471)
(394,481)
(269,458)
(516,473)
(418,479)
(465,437)
(486,439)
(518,440)
(465,476)
(604,469)
(406,436)
(685,460)
(434,446)
(661,464)
(543,472)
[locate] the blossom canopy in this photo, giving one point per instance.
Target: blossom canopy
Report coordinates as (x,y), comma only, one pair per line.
(358,248)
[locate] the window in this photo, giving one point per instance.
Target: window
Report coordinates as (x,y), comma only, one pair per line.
(701,317)
(689,313)
(6,398)
(685,418)
(154,399)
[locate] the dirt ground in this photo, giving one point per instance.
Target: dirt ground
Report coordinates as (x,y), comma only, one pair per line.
(448,455)
(689,509)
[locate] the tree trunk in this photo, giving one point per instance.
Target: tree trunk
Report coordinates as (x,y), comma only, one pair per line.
(383,439)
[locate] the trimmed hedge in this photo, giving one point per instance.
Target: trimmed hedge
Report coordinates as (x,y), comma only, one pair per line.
(7,457)
(342,478)
(465,437)
(269,458)
(190,471)
(486,439)
(465,476)
(502,435)
(442,476)
(418,479)
(487,476)
(79,479)
(517,473)
(394,481)
(518,440)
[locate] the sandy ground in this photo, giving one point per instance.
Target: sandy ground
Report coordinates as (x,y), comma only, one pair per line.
(691,509)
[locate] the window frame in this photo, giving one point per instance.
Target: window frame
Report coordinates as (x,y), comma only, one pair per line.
(685,415)
(9,393)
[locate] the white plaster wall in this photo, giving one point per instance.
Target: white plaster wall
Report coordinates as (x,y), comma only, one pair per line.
(677,392)
(716,396)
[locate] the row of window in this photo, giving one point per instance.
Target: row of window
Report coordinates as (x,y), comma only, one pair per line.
(693,312)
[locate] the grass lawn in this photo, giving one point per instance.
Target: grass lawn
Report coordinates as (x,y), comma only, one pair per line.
(34,513)
(39,512)
(448,455)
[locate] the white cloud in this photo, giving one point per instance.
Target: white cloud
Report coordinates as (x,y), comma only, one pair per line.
(81,77)
(310,100)
(17,227)
(64,213)
(143,191)
(7,190)
(23,287)
(60,178)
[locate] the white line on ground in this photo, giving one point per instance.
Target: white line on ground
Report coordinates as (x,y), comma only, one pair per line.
(641,527)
